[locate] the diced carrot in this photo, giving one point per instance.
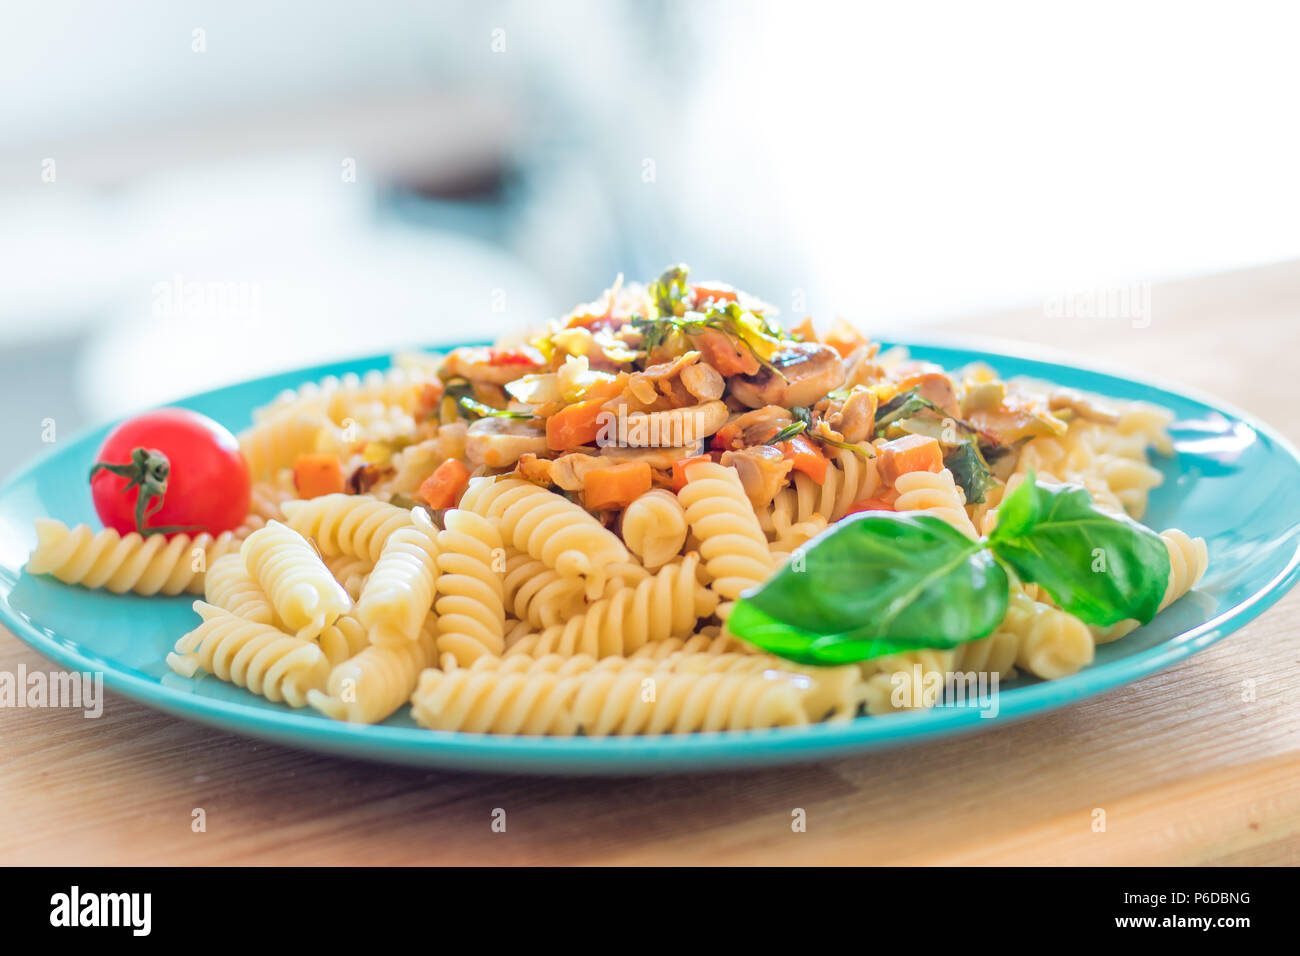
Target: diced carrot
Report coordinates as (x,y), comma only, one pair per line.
(713,291)
(871,504)
(723,354)
(724,439)
(316,475)
(444,487)
(679,470)
(574,425)
(616,486)
(907,454)
(579,424)
(807,457)
(426,402)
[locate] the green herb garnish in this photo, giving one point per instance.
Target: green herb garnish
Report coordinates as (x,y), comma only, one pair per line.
(880,583)
(476,409)
(786,433)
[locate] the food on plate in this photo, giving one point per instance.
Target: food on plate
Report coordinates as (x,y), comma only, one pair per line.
(664,512)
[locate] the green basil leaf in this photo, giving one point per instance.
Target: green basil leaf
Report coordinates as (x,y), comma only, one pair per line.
(875,584)
(670,290)
(905,405)
(1100,567)
(970,471)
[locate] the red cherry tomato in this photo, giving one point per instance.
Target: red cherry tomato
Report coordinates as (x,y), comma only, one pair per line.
(189,469)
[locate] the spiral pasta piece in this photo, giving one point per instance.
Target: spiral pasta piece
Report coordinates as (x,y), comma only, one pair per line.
(354,525)
(228,585)
(666,605)
(1052,643)
(906,681)
(936,494)
(398,595)
(659,702)
(301,589)
(255,656)
(121,563)
(346,637)
(654,527)
(548,527)
(471,600)
(498,702)
(851,478)
(732,544)
(371,686)
(538,594)
(350,572)
(276,442)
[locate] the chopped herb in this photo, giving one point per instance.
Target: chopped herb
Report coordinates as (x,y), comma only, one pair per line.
(786,433)
(476,409)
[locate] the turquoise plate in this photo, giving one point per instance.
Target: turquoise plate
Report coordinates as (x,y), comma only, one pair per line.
(1233,481)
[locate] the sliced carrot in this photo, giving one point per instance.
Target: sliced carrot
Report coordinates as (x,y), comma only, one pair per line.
(316,475)
(807,457)
(724,439)
(871,504)
(616,486)
(907,454)
(444,487)
(579,424)
(679,470)
(715,292)
(723,354)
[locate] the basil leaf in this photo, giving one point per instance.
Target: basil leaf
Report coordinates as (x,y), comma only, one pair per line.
(905,405)
(786,433)
(875,584)
(670,290)
(1100,567)
(970,471)
(479,410)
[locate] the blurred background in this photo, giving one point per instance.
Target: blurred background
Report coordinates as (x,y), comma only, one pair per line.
(192,193)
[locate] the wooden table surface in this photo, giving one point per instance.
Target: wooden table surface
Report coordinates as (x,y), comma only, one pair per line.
(1184,768)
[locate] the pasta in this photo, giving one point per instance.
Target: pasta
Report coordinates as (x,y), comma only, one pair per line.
(354,525)
(934,494)
(228,585)
(654,527)
(370,686)
(256,656)
(550,535)
(548,527)
(398,594)
(121,563)
(666,605)
(471,601)
(301,589)
(731,542)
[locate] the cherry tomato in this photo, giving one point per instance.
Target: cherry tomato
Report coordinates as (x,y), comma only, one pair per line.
(170,471)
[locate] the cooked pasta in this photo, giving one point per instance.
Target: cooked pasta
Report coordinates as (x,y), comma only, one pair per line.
(228,585)
(550,535)
(370,686)
(934,494)
(398,594)
(654,527)
(121,563)
(255,656)
(666,605)
(471,600)
(548,527)
(354,525)
(732,544)
(301,589)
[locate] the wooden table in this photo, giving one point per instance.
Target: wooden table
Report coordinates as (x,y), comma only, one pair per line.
(1185,769)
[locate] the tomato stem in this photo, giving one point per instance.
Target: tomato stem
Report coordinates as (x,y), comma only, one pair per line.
(148,470)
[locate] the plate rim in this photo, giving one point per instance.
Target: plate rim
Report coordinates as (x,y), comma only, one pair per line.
(699,752)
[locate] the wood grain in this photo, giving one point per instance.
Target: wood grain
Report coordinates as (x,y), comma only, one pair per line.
(1185,768)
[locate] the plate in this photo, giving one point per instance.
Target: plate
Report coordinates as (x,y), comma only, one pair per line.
(1233,480)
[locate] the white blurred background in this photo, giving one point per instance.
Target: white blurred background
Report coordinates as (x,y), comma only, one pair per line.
(192,193)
